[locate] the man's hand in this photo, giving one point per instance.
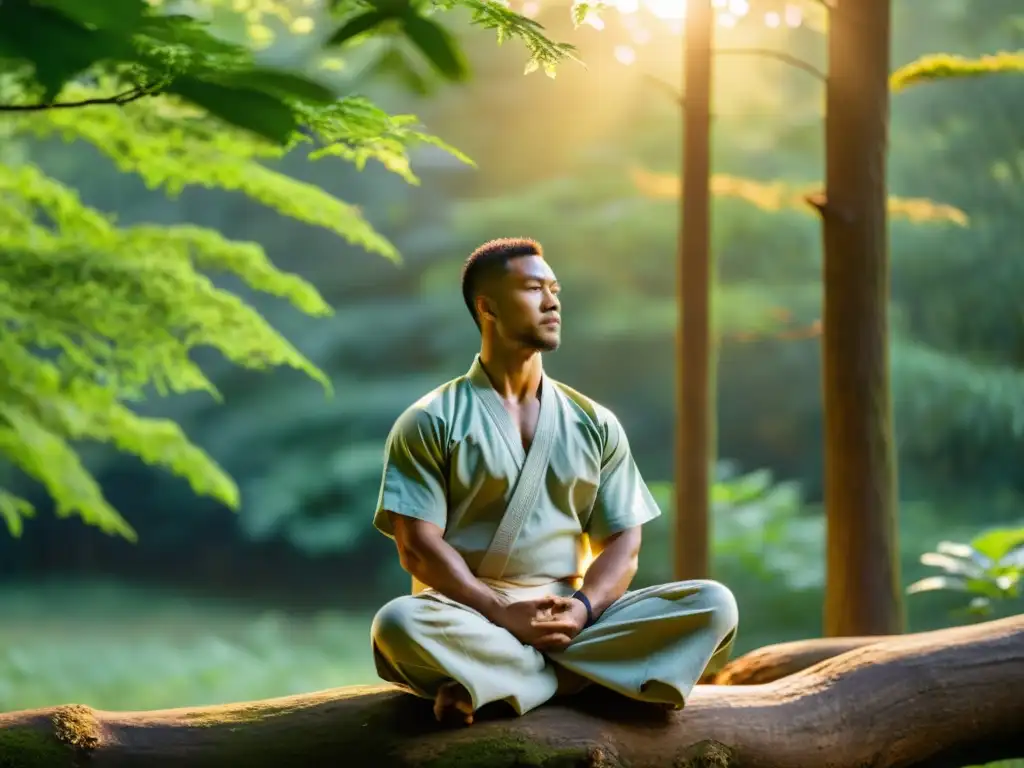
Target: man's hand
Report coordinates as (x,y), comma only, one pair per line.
(566,619)
(548,622)
(518,617)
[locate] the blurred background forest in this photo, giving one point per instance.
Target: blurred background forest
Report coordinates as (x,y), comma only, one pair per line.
(211,605)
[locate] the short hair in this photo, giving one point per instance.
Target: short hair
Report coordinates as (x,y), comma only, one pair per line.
(487,260)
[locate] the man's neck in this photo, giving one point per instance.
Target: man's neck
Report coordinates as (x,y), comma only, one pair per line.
(515,374)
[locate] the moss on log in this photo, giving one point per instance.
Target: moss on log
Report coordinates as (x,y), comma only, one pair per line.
(942,698)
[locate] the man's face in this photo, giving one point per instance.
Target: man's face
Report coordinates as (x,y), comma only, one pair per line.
(526,306)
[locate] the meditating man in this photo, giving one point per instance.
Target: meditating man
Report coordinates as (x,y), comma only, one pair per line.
(499,488)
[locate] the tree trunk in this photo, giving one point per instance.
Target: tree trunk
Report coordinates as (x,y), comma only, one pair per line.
(936,699)
(862,581)
(695,366)
(774,662)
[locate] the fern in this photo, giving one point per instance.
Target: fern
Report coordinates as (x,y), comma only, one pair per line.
(95,317)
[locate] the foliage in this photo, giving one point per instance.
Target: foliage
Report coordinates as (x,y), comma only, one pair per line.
(146,52)
(610,227)
(762,531)
(97,316)
(308,470)
(944,67)
(774,196)
(989,569)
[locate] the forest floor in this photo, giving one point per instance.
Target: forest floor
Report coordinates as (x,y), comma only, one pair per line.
(112,646)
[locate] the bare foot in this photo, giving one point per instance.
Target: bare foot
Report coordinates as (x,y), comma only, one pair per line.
(453,702)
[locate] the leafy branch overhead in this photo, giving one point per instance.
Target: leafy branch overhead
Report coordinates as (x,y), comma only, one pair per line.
(145,52)
(95,317)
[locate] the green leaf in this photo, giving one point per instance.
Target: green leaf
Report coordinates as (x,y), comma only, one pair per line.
(252,110)
(980,606)
(964,552)
(580,11)
(999,543)
(989,587)
(1014,558)
(185,31)
(393,8)
(358,25)
(282,84)
(937,583)
(437,45)
(121,15)
(58,47)
(46,456)
(14,510)
(394,64)
(952,565)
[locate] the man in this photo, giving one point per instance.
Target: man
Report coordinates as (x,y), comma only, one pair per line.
(499,487)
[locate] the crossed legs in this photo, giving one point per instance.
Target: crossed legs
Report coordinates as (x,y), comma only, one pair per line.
(652,644)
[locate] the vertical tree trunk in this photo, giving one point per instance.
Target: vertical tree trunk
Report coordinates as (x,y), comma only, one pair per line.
(695,410)
(862,583)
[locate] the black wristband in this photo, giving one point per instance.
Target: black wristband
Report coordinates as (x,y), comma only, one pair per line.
(586,604)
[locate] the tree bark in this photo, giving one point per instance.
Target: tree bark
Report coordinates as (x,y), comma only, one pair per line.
(695,360)
(862,595)
(774,662)
(943,698)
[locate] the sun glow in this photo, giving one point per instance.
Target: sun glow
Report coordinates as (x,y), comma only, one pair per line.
(669,10)
(728,12)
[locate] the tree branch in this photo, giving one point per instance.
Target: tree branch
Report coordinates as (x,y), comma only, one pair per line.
(667,88)
(944,698)
(774,662)
(768,53)
(116,100)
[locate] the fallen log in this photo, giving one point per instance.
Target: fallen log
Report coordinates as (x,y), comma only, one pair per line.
(774,662)
(945,698)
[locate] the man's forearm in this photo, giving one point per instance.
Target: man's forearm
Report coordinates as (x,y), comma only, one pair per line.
(612,571)
(439,566)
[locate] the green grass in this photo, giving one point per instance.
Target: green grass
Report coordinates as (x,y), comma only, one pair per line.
(114,647)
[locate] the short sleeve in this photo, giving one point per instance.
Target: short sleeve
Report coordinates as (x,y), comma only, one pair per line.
(623,499)
(413,483)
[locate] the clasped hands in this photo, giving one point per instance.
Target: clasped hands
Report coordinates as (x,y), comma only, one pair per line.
(547,623)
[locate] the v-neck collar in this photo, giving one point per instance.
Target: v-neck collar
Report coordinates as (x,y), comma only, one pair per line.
(484,388)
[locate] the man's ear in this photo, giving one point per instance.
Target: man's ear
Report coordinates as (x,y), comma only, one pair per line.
(484,306)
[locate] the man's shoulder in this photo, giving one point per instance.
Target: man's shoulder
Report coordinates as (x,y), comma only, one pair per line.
(434,407)
(601,417)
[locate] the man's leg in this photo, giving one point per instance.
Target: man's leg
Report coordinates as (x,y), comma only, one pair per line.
(438,649)
(654,644)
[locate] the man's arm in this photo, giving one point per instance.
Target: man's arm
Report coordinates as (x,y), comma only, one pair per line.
(612,571)
(605,581)
(623,505)
(413,509)
(425,555)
